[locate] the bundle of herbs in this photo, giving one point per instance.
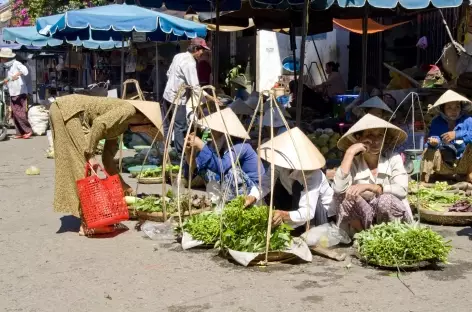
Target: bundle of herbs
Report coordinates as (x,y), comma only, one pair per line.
(245,229)
(434,198)
(397,244)
(204,227)
(157,172)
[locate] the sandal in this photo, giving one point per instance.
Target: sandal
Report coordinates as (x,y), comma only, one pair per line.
(18,136)
(84,231)
(27,135)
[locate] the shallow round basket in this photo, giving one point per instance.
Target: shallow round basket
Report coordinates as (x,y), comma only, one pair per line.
(445,218)
(156,180)
(410,267)
(159,216)
(135,170)
(139,148)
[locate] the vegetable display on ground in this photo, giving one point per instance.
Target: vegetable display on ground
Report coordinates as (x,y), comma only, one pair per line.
(397,244)
(245,229)
(155,173)
(204,227)
(439,197)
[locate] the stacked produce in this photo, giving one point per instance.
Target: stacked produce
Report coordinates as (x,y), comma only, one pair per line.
(242,229)
(440,197)
(397,244)
(157,172)
(203,227)
(326,140)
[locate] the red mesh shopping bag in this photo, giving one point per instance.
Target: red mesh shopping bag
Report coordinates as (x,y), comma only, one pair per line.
(102,200)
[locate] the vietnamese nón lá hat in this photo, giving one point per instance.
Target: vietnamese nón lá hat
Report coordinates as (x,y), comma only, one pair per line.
(373,102)
(152,111)
(395,135)
(299,153)
(451,96)
(240,107)
(225,121)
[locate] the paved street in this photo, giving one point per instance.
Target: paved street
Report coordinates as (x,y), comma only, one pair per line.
(46,266)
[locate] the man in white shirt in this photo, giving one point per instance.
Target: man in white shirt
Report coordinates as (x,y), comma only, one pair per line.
(18,90)
(295,201)
(182,71)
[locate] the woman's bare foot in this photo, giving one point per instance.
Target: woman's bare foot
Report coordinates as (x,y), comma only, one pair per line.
(84,231)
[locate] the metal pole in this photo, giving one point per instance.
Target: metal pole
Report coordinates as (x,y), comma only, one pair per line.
(293,47)
(319,59)
(156,78)
(302,63)
(364,50)
(37,92)
(216,48)
(69,70)
(122,68)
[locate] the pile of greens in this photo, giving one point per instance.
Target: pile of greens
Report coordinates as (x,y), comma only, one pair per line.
(401,244)
(433,198)
(157,172)
(204,227)
(245,229)
(152,204)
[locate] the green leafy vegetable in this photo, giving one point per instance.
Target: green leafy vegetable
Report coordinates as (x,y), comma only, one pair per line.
(152,204)
(203,227)
(245,229)
(400,244)
(157,172)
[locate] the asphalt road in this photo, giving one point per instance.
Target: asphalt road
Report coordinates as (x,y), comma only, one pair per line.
(46,266)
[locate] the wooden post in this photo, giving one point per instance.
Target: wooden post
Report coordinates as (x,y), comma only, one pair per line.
(302,63)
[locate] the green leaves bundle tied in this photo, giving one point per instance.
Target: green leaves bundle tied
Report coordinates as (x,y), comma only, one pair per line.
(399,244)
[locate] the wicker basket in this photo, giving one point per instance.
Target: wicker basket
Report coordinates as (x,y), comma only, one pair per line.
(156,180)
(159,216)
(445,218)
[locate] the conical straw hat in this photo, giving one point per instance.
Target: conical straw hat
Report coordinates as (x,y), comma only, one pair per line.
(267,107)
(374,102)
(233,126)
(302,156)
(253,99)
(152,110)
(277,119)
(451,96)
(240,107)
(395,135)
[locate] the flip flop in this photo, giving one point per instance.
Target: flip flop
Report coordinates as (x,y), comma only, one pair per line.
(27,135)
(18,136)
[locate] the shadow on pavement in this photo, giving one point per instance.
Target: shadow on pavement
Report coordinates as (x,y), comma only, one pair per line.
(69,224)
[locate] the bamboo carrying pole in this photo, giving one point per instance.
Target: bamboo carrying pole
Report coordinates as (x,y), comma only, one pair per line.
(364,51)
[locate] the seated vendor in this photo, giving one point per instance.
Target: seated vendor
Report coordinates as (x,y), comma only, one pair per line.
(334,84)
(447,151)
(295,201)
(218,160)
(372,89)
(371,185)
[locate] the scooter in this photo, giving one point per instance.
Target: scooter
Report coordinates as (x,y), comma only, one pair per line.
(3,113)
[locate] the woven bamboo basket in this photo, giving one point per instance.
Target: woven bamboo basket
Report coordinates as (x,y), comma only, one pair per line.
(159,216)
(156,180)
(445,218)
(273,257)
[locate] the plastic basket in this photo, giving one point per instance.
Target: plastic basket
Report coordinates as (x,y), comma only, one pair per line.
(102,200)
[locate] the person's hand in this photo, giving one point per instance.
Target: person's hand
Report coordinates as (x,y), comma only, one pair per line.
(354,191)
(249,201)
(433,141)
(448,136)
(195,142)
(15,77)
(5,81)
(357,148)
(278,217)
(128,190)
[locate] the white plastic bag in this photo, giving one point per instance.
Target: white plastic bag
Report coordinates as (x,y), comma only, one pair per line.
(326,235)
(38,117)
(158,231)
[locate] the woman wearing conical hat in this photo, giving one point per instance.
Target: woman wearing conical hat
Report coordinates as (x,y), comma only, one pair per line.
(371,185)
(78,123)
(447,151)
(374,106)
(295,201)
(218,160)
